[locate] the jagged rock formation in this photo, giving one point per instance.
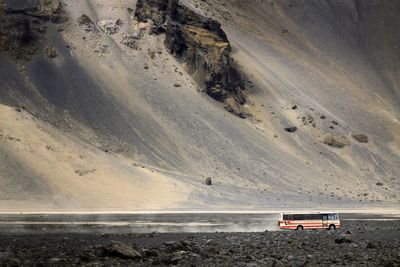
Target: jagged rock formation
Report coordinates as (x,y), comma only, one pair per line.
(23,23)
(202,45)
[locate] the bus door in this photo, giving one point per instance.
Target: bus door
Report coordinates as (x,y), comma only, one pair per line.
(325,222)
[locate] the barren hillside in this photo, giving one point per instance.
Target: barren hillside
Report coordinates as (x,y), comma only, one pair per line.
(126,105)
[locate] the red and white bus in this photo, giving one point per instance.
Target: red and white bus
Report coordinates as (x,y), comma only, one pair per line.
(300,221)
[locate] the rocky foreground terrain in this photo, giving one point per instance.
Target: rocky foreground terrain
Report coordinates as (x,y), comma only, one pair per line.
(356,244)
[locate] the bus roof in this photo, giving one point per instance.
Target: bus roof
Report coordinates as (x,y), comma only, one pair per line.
(311,212)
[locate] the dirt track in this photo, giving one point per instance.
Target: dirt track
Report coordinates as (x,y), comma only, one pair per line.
(369,243)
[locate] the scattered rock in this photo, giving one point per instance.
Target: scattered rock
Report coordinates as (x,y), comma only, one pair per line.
(208,181)
(343,239)
(132,40)
(278,263)
(294,107)
(177,85)
(371,245)
(101,48)
(307,120)
(84,172)
(109,26)
(359,137)
(379,184)
(232,106)
(348,232)
(50,51)
(290,129)
(336,140)
(86,23)
(174,260)
(121,250)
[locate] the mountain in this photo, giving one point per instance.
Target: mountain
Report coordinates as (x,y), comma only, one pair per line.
(133,105)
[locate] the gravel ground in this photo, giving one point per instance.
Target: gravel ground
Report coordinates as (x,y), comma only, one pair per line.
(368,243)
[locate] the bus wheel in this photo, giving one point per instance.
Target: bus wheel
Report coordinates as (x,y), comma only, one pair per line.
(332,227)
(300,227)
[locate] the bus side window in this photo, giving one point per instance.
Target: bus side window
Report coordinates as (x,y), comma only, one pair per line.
(316,217)
(324,217)
(310,217)
(298,217)
(332,217)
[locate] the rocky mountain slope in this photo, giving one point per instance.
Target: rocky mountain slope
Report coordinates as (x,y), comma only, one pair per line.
(123,105)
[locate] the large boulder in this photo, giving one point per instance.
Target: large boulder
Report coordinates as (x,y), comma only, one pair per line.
(121,250)
(341,239)
(361,138)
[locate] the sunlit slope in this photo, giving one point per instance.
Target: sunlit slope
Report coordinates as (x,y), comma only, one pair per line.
(337,61)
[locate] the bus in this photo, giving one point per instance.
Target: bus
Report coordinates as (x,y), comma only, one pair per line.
(301,221)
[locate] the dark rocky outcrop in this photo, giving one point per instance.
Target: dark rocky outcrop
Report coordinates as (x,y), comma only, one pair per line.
(23,22)
(202,45)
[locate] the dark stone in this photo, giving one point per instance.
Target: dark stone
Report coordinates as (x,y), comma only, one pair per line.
(341,239)
(121,250)
(361,138)
(290,129)
(208,181)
